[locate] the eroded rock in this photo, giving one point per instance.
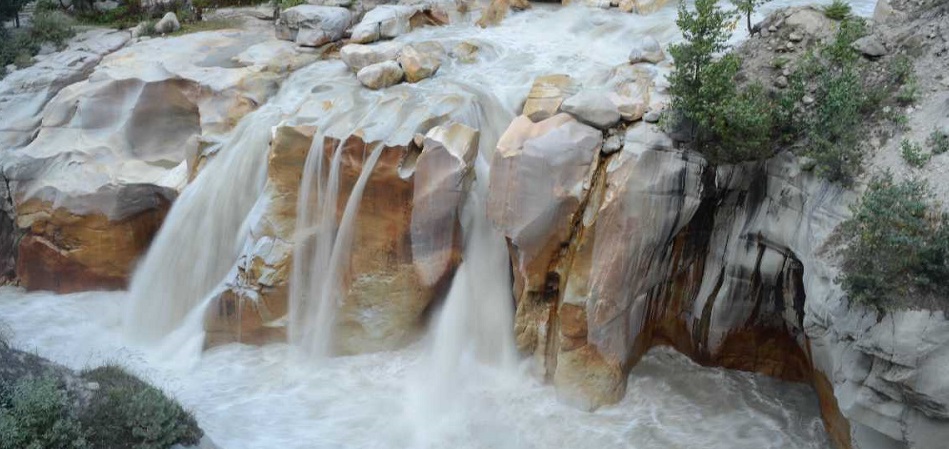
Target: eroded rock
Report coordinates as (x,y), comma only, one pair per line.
(380,75)
(358,56)
(313,26)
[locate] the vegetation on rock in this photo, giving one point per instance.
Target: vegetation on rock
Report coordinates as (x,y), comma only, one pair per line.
(34,414)
(837,10)
(899,247)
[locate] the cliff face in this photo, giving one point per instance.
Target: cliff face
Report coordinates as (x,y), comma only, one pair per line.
(731,266)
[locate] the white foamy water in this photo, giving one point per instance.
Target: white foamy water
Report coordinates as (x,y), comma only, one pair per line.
(263,397)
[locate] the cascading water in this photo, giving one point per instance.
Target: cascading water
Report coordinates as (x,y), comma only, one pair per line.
(316,293)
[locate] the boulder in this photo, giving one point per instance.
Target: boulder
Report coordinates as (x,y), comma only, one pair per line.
(313,26)
(390,21)
(631,100)
(593,107)
(497,10)
(465,52)
(421,61)
(547,94)
(357,56)
(167,24)
(380,75)
(870,46)
(647,50)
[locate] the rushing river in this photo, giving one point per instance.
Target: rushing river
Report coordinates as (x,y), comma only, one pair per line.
(249,397)
(431,395)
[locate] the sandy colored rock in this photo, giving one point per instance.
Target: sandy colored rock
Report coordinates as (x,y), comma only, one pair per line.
(420,62)
(497,10)
(358,56)
(547,94)
(380,75)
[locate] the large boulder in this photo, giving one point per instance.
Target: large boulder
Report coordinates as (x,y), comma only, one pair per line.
(112,153)
(390,21)
(593,107)
(167,24)
(381,75)
(421,61)
(547,95)
(358,56)
(313,26)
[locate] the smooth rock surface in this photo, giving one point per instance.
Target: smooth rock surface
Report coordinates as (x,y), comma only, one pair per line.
(420,61)
(167,24)
(647,50)
(358,56)
(594,108)
(381,75)
(547,95)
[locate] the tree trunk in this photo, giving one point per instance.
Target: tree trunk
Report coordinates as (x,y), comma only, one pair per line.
(16,19)
(748,17)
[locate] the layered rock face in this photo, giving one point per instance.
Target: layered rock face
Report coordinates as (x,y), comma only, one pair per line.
(93,183)
(729,265)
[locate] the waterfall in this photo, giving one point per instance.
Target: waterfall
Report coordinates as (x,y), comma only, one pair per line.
(200,238)
(316,286)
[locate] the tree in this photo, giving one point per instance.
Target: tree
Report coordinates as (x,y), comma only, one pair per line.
(10,9)
(747,7)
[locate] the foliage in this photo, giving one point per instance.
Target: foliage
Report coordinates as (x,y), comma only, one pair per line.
(10,9)
(130,413)
(938,142)
(838,10)
(52,26)
(730,124)
(899,246)
(284,4)
(913,154)
(34,415)
(747,7)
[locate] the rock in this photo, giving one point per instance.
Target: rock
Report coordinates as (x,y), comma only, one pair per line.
(647,50)
(807,100)
(613,144)
(631,100)
(129,133)
(357,56)
(811,22)
(781,81)
(795,37)
(539,177)
(627,5)
(870,46)
(167,24)
(594,108)
(652,116)
(420,62)
(547,94)
(380,75)
(497,10)
(313,26)
(465,52)
(389,21)
(883,12)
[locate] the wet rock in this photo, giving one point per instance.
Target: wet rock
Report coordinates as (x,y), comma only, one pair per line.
(465,52)
(420,61)
(390,21)
(380,75)
(357,56)
(547,94)
(313,26)
(497,10)
(168,24)
(647,50)
(594,108)
(870,46)
(631,100)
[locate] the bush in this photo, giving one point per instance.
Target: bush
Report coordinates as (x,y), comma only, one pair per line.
(130,413)
(913,154)
(838,10)
(938,142)
(34,415)
(899,246)
(729,124)
(52,26)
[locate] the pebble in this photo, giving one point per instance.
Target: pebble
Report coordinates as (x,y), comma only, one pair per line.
(781,81)
(796,37)
(652,116)
(790,45)
(92,386)
(772,28)
(613,144)
(807,100)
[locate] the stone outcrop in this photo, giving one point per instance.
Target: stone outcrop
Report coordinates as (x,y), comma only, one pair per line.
(729,265)
(92,186)
(547,95)
(313,26)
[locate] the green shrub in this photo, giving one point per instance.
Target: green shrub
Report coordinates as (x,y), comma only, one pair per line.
(729,124)
(34,415)
(838,10)
(52,26)
(898,248)
(748,7)
(938,142)
(913,154)
(284,4)
(132,414)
